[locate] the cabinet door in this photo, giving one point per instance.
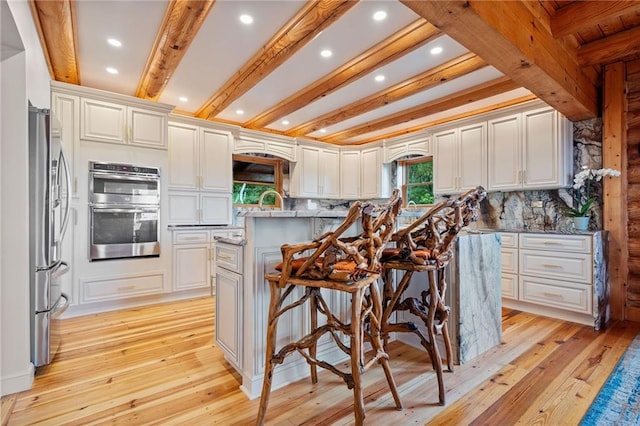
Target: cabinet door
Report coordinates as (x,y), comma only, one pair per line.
(350,174)
(183,156)
(308,172)
(147,128)
(66,109)
(229,314)
(374,178)
(215,208)
(445,173)
(216,161)
(541,150)
(330,173)
(472,157)
(191,266)
(184,208)
(504,153)
(102,121)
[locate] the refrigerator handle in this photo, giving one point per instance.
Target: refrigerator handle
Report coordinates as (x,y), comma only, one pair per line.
(67,201)
(60,310)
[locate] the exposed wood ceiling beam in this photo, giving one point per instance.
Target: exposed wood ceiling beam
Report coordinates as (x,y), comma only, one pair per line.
(509,37)
(313,18)
(397,45)
(56,24)
(579,15)
(491,88)
(180,24)
(475,112)
(610,49)
(446,72)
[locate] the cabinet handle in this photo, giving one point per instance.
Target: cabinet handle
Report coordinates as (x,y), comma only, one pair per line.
(211,285)
(224,257)
(549,266)
(551,243)
(75,185)
(553,296)
(191,238)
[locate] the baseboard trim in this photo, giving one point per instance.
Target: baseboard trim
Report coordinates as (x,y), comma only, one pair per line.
(17,382)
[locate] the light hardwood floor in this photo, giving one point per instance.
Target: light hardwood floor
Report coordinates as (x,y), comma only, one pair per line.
(160,365)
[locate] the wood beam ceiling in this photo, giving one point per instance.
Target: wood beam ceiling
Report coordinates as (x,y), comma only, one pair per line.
(485,90)
(313,18)
(510,38)
(610,49)
(409,38)
(446,72)
(180,24)
(581,15)
(57,29)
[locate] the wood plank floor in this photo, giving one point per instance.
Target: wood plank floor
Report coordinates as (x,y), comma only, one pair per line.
(160,365)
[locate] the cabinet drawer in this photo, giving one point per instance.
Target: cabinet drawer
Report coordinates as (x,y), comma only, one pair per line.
(99,290)
(509,257)
(509,239)
(571,243)
(560,265)
(509,283)
(229,256)
(190,237)
(566,295)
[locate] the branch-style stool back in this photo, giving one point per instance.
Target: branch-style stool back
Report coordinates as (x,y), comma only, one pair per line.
(336,263)
(427,246)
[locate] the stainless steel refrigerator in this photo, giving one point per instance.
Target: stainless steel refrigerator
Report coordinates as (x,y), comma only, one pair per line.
(49,198)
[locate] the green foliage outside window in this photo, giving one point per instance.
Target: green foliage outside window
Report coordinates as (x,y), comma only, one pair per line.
(419,181)
(249,193)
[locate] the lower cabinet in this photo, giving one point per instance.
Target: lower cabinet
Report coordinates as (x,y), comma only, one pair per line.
(229,300)
(556,275)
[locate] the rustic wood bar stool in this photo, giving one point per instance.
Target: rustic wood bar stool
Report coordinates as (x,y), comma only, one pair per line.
(427,246)
(336,263)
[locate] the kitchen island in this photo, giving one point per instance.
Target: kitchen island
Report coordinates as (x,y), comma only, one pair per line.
(266,231)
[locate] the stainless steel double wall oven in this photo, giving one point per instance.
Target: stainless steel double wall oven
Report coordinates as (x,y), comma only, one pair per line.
(124,211)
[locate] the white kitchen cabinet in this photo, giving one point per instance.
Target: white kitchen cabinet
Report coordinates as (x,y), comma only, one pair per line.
(530,150)
(417,143)
(66,111)
(350,174)
(200,177)
(110,122)
(317,173)
(229,301)
(555,275)
(460,158)
(375,181)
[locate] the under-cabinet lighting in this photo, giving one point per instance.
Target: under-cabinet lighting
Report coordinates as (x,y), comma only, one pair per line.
(112,70)
(326,53)
(380,15)
(114,42)
(436,50)
(246,19)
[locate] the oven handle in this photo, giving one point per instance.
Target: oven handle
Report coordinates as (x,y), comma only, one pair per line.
(108,209)
(119,176)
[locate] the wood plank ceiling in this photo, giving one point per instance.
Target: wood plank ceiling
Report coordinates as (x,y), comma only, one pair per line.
(507,52)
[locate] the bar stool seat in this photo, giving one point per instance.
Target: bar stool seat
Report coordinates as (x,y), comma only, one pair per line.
(335,263)
(426,246)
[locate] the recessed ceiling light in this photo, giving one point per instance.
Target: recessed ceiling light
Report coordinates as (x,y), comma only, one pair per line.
(323,130)
(380,15)
(114,42)
(246,19)
(183,99)
(326,53)
(285,122)
(112,70)
(379,77)
(436,50)
(239,112)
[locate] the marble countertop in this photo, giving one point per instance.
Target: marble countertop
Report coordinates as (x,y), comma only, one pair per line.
(293,213)
(540,231)
(205,227)
(235,240)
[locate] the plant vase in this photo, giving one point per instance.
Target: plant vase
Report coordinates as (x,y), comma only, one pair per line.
(581,223)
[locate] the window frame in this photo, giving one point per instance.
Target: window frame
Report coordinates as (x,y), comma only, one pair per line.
(277,171)
(403,165)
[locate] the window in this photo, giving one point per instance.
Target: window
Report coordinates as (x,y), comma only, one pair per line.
(254,175)
(417,181)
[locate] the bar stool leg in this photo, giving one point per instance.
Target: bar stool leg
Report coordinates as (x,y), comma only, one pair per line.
(356,349)
(442,286)
(313,306)
(437,360)
(274,306)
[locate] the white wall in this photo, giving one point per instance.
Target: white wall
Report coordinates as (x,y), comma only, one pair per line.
(23,76)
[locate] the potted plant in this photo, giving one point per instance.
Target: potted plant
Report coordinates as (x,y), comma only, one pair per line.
(585,192)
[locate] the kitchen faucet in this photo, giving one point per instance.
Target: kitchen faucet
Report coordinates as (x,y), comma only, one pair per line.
(271,191)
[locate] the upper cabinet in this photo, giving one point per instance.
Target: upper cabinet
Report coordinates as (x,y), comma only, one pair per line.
(66,111)
(350,174)
(200,174)
(417,143)
(460,161)
(316,174)
(530,150)
(252,142)
(375,179)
